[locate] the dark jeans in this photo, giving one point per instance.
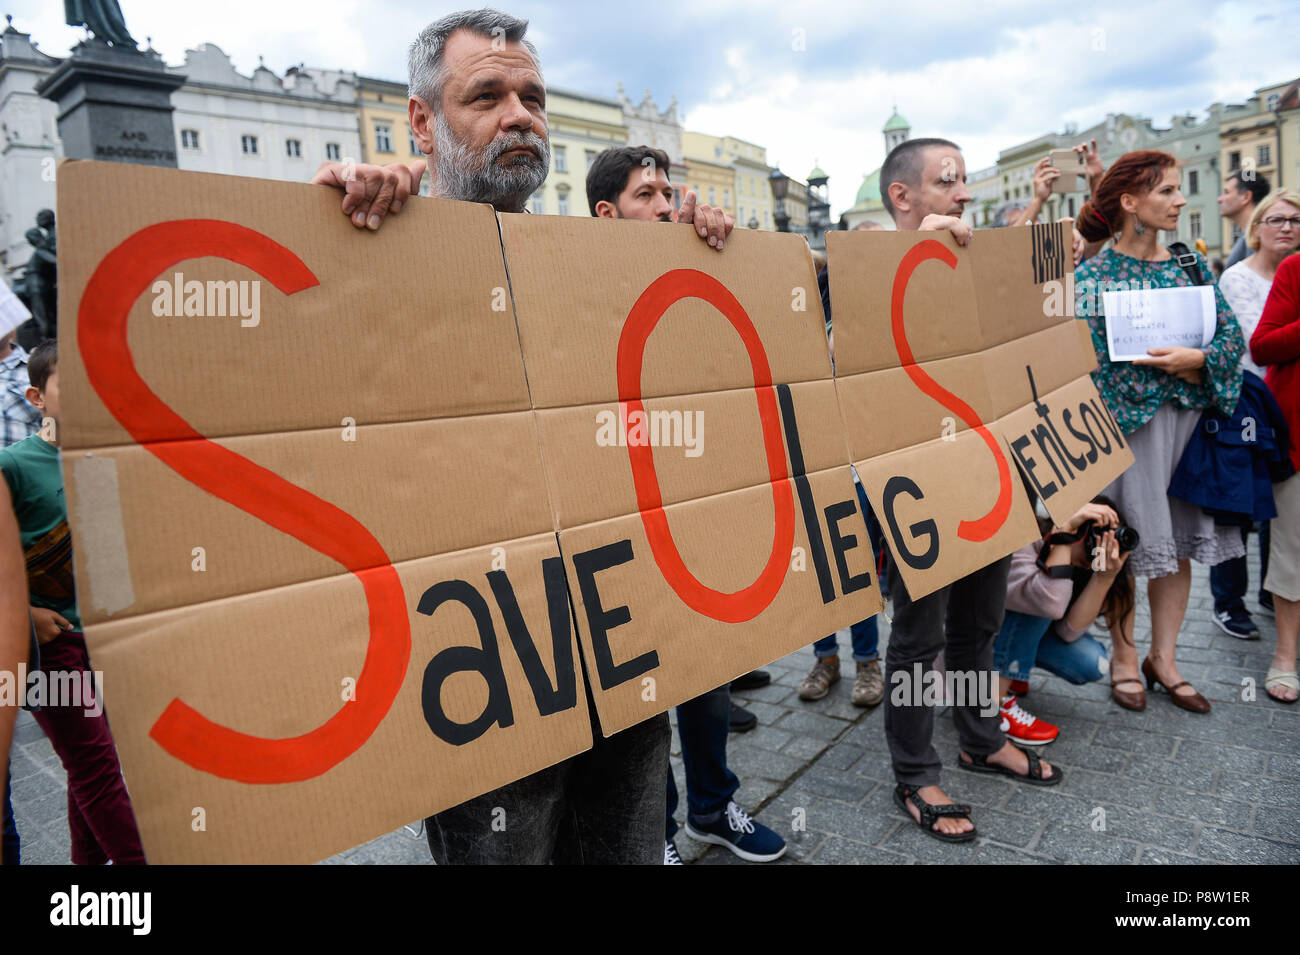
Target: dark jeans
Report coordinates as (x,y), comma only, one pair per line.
(702,724)
(101,824)
(864,634)
(961,619)
(11,855)
(601,807)
(1230,580)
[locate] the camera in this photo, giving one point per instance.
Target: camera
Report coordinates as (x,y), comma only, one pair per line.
(1125,536)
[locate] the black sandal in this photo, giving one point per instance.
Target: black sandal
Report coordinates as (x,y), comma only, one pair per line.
(930,814)
(981,764)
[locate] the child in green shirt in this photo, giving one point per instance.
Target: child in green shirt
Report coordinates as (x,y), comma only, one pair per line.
(100,820)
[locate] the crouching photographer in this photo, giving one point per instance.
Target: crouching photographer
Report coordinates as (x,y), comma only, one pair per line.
(1056,589)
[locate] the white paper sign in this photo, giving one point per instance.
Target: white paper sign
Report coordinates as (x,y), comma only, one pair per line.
(1140,319)
(12,311)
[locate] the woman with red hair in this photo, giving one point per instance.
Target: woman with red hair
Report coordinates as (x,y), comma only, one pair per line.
(1158,402)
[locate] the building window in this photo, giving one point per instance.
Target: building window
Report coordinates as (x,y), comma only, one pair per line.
(726,197)
(1271,104)
(1193,183)
(383,137)
(1006,195)
(410,138)
(1234,161)
(591,158)
(538,205)
(1194,225)
(561,159)
(248,144)
(1265,155)
(1072,207)
(712,200)
(293,148)
(333,152)
(189,139)
(562,203)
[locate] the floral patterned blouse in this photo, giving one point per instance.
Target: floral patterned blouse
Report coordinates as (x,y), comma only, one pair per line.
(1135,392)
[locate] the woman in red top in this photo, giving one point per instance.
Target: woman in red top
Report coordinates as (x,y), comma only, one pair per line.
(1276,344)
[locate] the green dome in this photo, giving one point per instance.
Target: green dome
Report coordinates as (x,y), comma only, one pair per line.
(869,191)
(896,122)
(817,173)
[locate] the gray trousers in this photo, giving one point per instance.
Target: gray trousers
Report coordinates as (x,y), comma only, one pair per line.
(602,807)
(962,619)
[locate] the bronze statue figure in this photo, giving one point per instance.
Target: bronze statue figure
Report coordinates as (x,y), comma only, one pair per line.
(39,286)
(103,18)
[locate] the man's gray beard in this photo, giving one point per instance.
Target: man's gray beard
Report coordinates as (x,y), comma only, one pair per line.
(459,173)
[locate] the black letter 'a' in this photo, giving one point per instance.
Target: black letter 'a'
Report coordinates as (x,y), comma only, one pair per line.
(487,661)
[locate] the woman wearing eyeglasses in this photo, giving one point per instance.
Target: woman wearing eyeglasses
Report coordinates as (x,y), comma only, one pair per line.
(1273,233)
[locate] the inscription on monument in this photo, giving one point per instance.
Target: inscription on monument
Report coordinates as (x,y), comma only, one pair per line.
(133,145)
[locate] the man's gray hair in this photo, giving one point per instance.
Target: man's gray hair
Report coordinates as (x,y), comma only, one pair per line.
(425,60)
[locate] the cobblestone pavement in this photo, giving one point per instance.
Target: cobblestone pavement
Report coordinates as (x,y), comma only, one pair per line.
(1175,787)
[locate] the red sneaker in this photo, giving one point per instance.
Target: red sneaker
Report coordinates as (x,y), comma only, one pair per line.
(1018,688)
(1024,728)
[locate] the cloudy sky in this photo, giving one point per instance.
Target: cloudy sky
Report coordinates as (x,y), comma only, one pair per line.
(811,81)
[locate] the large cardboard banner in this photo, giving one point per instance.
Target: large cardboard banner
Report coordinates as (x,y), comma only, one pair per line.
(347,506)
(952,363)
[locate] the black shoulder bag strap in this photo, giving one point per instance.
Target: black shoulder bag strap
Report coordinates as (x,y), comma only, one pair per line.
(1186,260)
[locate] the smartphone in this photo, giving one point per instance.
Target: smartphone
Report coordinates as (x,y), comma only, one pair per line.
(1072,166)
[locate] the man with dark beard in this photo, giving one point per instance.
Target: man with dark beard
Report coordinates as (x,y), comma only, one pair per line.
(478,112)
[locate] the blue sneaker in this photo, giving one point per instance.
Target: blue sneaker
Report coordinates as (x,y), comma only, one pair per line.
(1236,623)
(750,840)
(670,853)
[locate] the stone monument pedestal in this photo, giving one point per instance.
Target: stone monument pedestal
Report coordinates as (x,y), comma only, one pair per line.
(114,104)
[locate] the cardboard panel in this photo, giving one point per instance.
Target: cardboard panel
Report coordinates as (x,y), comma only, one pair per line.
(390,349)
(885,410)
(416,486)
(937,501)
(593,271)
(1068,445)
(1022,277)
(1037,363)
(871,270)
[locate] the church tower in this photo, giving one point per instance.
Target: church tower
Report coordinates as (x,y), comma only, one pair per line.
(897,130)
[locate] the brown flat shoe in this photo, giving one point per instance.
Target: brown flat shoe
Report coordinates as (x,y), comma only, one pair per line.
(1193,702)
(1127,698)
